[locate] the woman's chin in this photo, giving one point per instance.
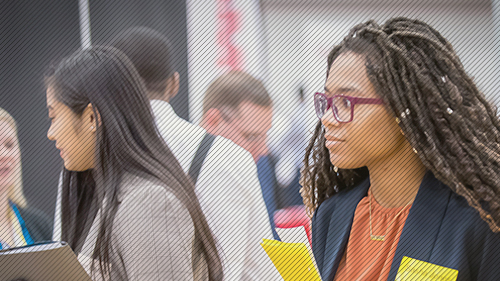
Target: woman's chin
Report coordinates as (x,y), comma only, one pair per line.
(76,168)
(68,166)
(344,164)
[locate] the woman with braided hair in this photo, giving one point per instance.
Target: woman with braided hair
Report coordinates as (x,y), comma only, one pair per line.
(403,171)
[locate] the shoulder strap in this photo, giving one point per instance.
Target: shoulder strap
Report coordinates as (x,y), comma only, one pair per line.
(23,231)
(199,157)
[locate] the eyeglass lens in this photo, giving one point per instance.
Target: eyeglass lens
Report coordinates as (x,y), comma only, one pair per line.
(341,107)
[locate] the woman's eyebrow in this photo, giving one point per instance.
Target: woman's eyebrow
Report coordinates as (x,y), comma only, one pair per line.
(343,90)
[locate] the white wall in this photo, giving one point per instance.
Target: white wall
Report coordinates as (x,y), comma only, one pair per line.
(301,33)
(205,19)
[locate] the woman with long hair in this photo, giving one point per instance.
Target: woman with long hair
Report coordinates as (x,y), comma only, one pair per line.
(402,172)
(20,225)
(128,209)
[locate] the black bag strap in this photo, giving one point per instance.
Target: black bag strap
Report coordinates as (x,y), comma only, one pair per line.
(199,157)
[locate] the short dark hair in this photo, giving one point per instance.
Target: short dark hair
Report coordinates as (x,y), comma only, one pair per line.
(233,88)
(151,53)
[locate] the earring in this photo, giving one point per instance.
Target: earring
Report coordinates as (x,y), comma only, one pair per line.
(335,169)
(92,127)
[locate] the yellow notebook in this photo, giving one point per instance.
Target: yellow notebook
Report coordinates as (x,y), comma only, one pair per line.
(416,270)
(293,260)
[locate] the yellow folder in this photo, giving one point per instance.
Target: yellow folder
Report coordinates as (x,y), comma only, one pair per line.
(293,260)
(416,270)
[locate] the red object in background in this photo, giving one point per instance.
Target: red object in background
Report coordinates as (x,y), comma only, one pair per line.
(292,217)
(228,25)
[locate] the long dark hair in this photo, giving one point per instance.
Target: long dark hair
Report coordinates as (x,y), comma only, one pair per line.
(444,116)
(128,141)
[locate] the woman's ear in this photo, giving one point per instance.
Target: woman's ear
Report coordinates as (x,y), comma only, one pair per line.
(172,86)
(91,118)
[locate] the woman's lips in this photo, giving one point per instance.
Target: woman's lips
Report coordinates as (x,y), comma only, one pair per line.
(61,152)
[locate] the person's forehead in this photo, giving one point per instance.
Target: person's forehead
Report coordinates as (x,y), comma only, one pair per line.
(248,106)
(255,118)
(347,69)
(51,100)
(348,75)
(251,111)
(54,105)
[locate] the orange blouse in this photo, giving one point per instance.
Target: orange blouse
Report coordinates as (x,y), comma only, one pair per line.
(367,259)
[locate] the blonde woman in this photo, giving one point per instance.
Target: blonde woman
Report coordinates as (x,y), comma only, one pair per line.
(19,225)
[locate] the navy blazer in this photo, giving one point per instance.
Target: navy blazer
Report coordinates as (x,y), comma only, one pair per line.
(441,228)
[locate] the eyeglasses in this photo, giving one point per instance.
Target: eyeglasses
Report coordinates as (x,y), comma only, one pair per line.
(342,106)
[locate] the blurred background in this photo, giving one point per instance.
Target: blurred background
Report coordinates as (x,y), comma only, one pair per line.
(282,42)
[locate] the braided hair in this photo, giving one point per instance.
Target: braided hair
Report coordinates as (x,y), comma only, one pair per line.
(447,120)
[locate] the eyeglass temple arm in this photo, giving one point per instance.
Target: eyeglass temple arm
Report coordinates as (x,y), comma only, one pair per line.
(357,100)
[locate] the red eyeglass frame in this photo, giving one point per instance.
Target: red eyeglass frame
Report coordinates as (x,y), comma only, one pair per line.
(352,100)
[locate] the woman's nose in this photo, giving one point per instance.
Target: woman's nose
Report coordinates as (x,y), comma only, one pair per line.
(50,134)
(329,119)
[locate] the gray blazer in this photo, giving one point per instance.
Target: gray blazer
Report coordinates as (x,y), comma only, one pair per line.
(153,234)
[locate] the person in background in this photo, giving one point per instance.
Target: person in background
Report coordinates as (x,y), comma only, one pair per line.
(19,225)
(402,172)
(289,153)
(127,208)
(224,174)
(238,107)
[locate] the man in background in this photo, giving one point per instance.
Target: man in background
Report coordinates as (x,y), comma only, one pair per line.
(289,151)
(238,107)
(225,175)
